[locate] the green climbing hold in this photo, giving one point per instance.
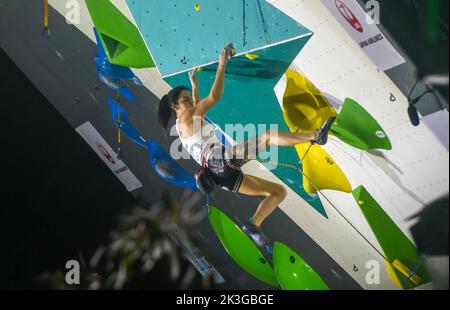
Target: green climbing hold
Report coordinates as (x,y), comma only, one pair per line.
(356,127)
(241,248)
(401,253)
(123,43)
(293,273)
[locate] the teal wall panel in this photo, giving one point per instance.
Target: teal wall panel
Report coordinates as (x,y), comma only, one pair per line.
(181,38)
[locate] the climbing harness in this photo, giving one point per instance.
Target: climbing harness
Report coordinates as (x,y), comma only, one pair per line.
(205,181)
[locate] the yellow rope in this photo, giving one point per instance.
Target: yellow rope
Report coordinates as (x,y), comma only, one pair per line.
(45,14)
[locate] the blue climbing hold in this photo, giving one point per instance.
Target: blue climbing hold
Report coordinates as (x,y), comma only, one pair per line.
(125,125)
(168,169)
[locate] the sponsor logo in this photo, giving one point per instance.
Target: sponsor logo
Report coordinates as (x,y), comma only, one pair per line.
(105,153)
(379,37)
(349,16)
(121,170)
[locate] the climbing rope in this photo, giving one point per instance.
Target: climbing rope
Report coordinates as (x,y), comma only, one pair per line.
(266,30)
(244,4)
(208,200)
(297,168)
(119,120)
(414,271)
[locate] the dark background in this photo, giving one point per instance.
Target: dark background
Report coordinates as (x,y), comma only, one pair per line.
(49,213)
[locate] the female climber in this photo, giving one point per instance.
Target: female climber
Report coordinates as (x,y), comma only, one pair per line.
(224,166)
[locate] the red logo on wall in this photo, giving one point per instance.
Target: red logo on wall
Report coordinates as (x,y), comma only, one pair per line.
(349,16)
(105,153)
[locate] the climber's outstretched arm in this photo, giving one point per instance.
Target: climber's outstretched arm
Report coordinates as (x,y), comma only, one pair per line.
(216,93)
(195,90)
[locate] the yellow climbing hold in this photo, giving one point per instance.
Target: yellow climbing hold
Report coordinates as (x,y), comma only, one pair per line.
(320,171)
(392,274)
(232,51)
(361,202)
(198,70)
(252,56)
(197,7)
(305,108)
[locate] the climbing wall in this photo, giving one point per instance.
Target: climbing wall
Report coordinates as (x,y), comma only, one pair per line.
(402,180)
(333,234)
(241,104)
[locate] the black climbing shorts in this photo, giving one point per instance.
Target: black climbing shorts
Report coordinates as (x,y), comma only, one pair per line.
(226,171)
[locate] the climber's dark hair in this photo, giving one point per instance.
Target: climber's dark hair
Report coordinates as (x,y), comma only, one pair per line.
(165,110)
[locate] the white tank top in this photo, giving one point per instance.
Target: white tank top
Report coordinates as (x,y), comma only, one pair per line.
(203,137)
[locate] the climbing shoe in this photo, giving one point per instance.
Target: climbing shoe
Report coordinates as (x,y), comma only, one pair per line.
(256,234)
(322,133)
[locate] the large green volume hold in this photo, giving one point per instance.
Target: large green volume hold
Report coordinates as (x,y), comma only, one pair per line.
(241,248)
(293,273)
(356,127)
(122,41)
(397,247)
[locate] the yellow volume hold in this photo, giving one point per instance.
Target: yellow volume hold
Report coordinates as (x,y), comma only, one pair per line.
(305,108)
(320,171)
